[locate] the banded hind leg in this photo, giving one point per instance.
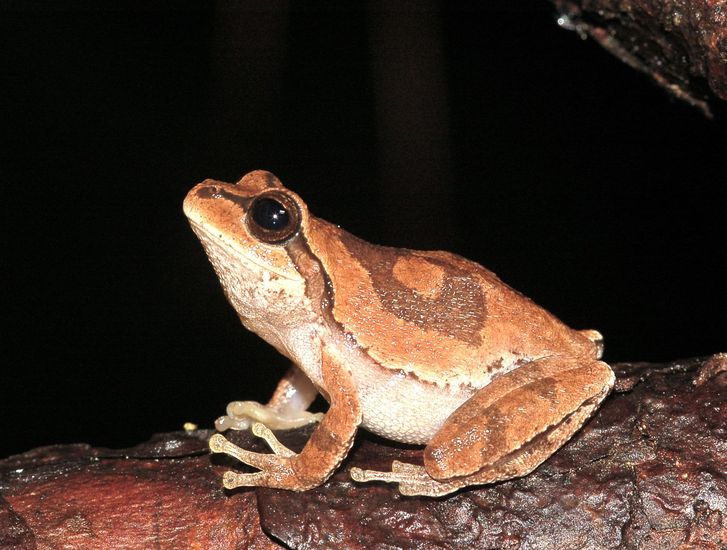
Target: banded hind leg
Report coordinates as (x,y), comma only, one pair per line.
(507,429)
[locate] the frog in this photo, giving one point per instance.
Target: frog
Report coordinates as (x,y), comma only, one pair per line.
(418,347)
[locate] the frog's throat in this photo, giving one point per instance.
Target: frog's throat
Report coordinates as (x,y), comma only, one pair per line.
(216,241)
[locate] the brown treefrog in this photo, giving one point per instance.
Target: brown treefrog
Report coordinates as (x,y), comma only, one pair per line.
(418,347)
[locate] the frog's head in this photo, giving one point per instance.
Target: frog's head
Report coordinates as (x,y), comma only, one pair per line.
(245,229)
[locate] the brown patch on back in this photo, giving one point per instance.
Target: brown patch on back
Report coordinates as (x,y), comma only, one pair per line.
(435,315)
(427,292)
(419,274)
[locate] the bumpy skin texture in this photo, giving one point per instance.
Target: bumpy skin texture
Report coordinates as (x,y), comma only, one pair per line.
(416,346)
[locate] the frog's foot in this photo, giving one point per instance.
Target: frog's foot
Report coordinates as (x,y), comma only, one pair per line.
(275,469)
(242,414)
(412,480)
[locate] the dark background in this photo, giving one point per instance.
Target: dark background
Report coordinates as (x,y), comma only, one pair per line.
(479,128)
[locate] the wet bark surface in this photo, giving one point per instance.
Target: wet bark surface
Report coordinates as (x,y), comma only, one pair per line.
(648,471)
(681,44)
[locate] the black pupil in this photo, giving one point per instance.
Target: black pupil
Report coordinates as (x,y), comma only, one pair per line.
(270,214)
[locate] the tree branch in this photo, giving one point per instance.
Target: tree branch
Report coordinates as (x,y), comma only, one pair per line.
(647,471)
(681,44)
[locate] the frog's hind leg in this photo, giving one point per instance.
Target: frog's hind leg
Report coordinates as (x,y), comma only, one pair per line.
(507,429)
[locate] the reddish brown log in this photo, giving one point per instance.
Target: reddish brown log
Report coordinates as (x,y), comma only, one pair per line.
(649,471)
(161,494)
(681,44)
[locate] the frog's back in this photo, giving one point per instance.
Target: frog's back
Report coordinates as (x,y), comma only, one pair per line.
(446,319)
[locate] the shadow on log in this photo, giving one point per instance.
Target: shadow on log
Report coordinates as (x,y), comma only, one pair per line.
(648,471)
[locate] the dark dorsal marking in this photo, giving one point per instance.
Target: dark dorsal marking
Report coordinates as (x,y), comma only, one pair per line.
(456,309)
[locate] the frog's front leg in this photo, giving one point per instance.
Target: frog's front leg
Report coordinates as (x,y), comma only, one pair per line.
(507,429)
(286,409)
(327,447)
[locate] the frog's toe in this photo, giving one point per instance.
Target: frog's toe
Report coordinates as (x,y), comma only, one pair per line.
(219,444)
(263,432)
(242,414)
(277,473)
(412,479)
(226,422)
(400,471)
(233,480)
(275,469)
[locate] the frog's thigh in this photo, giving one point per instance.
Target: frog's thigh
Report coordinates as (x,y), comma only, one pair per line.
(492,434)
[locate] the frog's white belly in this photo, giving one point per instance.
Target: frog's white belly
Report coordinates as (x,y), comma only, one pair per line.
(402,408)
(395,405)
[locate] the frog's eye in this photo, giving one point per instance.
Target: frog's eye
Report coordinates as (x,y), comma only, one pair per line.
(273,218)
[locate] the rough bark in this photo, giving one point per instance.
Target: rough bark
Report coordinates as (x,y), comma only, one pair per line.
(681,44)
(648,471)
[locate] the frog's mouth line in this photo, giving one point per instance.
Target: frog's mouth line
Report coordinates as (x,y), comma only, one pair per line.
(248,261)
